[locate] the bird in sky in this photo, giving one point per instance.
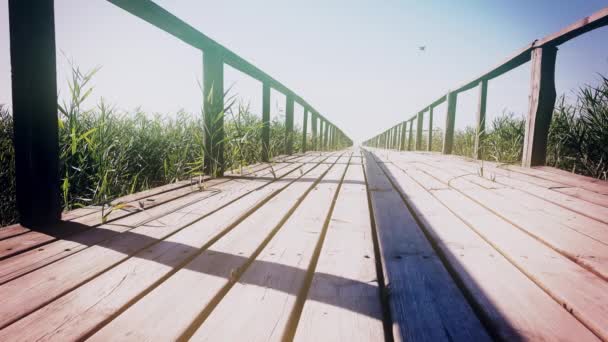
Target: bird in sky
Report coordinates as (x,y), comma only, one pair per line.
(422,48)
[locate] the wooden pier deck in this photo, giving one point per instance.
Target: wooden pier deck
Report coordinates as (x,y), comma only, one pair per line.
(354,245)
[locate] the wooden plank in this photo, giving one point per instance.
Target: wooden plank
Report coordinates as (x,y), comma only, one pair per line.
(580,293)
(586,251)
(13,230)
(514,307)
(209,276)
(425,303)
(76,314)
(540,108)
(34,91)
(266,293)
(27,293)
(343,302)
(36,258)
(587,183)
(545,192)
(526,175)
(36,239)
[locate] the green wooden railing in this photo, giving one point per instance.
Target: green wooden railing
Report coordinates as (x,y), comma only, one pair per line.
(542,53)
(34,87)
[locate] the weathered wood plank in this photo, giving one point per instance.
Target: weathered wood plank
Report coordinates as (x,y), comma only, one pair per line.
(514,307)
(266,293)
(209,276)
(425,303)
(343,302)
(37,239)
(26,294)
(74,315)
(587,251)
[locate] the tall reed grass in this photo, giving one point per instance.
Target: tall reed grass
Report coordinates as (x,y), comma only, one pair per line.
(106,153)
(578,135)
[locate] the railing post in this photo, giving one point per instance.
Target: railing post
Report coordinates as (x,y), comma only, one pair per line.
(481,118)
(402,138)
(322,134)
(396,137)
(326,136)
(419,123)
(213,107)
(429,146)
(409,139)
(448,137)
(34,86)
(265,122)
(540,109)
(289,125)
(313,121)
(334,142)
(304,130)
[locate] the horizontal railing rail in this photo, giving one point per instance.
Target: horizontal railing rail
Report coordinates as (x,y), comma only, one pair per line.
(34,87)
(542,53)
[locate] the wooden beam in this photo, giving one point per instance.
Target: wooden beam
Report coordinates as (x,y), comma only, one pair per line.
(402,138)
(481,119)
(410,136)
(213,107)
(326,136)
(34,88)
(595,20)
(305,130)
(289,125)
(419,122)
(448,137)
(313,118)
(265,122)
(540,109)
(429,146)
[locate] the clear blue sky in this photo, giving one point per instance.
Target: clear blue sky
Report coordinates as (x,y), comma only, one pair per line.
(356,61)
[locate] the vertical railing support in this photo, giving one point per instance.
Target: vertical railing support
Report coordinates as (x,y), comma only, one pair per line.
(396,137)
(34,87)
(265,122)
(313,126)
(402,137)
(304,130)
(419,123)
(429,144)
(481,119)
(448,136)
(326,136)
(213,107)
(540,109)
(289,125)
(409,139)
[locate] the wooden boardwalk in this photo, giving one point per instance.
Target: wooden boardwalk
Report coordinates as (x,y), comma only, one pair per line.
(355,245)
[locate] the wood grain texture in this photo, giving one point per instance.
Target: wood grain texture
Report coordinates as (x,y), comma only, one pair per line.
(343,302)
(167,313)
(515,308)
(425,303)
